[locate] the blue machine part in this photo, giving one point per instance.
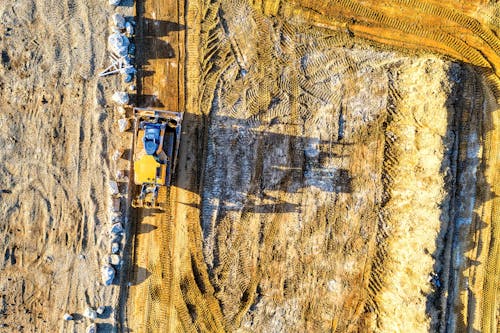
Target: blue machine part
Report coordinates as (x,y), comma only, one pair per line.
(151,138)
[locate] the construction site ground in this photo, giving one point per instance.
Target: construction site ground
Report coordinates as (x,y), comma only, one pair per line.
(338,168)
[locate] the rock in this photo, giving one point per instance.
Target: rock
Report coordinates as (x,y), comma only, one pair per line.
(114,259)
(119,21)
(122,112)
(123,124)
(118,44)
(132,88)
(92,328)
(67,316)
(120,176)
(118,153)
(129,28)
(120,97)
(114,2)
(131,49)
(100,310)
(107,274)
(127,60)
(90,313)
(128,78)
(115,248)
(116,229)
(116,218)
(113,187)
(130,71)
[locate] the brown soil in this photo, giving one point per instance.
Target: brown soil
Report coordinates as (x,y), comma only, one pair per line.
(338,168)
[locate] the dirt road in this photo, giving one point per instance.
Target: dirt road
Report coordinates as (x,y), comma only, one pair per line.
(159,239)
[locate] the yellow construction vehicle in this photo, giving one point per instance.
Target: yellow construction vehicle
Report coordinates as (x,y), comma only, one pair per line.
(155,148)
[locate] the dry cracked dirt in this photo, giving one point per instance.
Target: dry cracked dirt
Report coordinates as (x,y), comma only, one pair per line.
(338,168)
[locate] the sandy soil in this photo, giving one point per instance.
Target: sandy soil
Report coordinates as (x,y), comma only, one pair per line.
(338,169)
(56,132)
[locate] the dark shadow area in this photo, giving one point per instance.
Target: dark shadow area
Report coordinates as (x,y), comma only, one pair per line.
(139,275)
(150,101)
(145,73)
(110,328)
(126,3)
(276,207)
(467,190)
(244,162)
(150,47)
(312,162)
(159,28)
(108,311)
(145,228)
(77,316)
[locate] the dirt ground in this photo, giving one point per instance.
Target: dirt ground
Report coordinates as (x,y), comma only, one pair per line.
(338,168)
(56,134)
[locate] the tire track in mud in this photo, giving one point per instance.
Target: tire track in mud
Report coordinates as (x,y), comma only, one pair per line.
(169,298)
(469,45)
(451,45)
(301,87)
(367,15)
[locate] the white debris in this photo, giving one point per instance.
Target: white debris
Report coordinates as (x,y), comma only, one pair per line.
(119,64)
(123,124)
(115,248)
(92,328)
(90,313)
(119,21)
(114,2)
(67,316)
(120,97)
(129,28)
(334,286)
(118,44)
(107,274)
(126,60)
(120,176)
(116,229)
(117,153)
(113,187)
(132,88)
(114,259)
(116,217)
(121,110)
(100,310)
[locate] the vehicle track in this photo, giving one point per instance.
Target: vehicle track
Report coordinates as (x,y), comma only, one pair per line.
(222,288)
